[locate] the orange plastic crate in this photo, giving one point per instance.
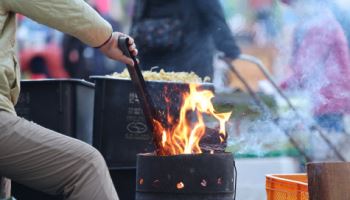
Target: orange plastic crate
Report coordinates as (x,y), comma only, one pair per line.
(287,187)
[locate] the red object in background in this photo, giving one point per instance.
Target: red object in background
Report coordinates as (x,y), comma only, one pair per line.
(102,5)
(38,76)
(52,56)
(260,4)
(20,17)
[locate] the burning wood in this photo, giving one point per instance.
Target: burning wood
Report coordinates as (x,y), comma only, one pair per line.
(211,142)
(187,136)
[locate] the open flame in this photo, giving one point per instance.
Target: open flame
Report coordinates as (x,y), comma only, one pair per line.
(183,136)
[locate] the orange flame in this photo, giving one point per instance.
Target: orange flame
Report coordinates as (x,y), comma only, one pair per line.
(184,136)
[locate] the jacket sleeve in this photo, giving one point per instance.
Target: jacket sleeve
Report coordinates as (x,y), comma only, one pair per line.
(213,14)
(74,17)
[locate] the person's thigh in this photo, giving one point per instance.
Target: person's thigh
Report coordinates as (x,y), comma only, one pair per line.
(46,160)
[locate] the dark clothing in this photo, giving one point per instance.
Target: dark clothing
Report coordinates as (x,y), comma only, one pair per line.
(74,67)
(82,61)
(205,30)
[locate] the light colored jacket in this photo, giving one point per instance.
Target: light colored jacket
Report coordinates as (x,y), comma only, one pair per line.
(74,17)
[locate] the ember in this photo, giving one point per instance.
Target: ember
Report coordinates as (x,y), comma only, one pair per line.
(183,136)
(219,181)
(180,185)
(204,183)
(141,181)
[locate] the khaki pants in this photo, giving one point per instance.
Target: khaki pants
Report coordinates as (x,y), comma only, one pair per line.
(50,162)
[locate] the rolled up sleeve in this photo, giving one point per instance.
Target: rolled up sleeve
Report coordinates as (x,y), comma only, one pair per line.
(74,17)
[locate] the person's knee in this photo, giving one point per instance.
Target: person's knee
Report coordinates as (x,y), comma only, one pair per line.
(91,175)
(91,166)
(98,158)
(95,161)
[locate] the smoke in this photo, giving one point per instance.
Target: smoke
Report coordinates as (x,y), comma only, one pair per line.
(257,138)
(260,136)
(318,86)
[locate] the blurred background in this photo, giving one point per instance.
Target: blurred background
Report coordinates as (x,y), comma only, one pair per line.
(264,29)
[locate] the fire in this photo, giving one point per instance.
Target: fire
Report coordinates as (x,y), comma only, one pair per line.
(183,136)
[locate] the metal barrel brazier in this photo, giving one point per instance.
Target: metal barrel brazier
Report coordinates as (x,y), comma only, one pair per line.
(185,177)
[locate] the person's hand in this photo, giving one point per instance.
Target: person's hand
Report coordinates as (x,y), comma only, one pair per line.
(111,49)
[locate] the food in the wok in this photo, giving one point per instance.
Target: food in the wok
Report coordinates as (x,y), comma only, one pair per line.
(183,77)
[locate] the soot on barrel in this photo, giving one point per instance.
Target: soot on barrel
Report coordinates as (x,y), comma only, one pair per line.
(185,177)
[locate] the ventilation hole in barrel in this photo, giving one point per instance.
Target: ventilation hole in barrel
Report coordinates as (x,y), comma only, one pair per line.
(180,185)
(141,181)
(219,181)
(204,183)
(156,183)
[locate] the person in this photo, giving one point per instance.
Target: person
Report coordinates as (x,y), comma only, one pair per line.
(181,35)
(80,60)
(320,63)
(30,154)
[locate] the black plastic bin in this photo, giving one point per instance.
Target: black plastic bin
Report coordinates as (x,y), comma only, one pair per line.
(65,106)
(120,130)
(124,182)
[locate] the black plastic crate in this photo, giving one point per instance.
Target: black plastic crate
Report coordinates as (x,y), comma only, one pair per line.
(65,106)
(124,182)
(120,130)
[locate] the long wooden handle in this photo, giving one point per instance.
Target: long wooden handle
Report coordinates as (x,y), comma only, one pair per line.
(141,89)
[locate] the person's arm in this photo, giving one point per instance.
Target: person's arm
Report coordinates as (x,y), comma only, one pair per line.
(213,13)
(74,17)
